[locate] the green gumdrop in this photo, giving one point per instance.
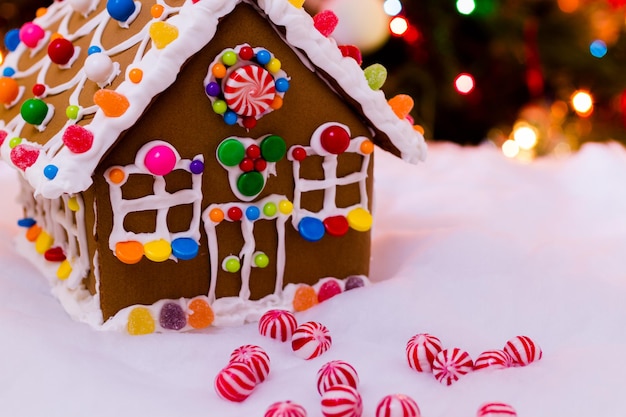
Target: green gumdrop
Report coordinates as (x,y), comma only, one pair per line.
(376,76)
(231,152)
(273,148)
(34,111)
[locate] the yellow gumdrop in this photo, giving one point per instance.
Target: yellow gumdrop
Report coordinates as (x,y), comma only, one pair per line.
(72,204)
(64,271)
(360,220)
(140,322)
(297,3)
(163,34)
(113,104)
(43,243)
(304,298)
(285,207)
(158,250)
(401,105)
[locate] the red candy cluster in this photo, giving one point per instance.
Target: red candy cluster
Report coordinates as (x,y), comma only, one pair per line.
(253,160)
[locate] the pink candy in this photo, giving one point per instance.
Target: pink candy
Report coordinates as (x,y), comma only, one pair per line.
(397,405)
(235,382)
(450,364)
(255,357)
(31,34)
(421,351)
(310,340)
(325,22)
(496,410)
(278,324)
(24,156)
(342,401)
(336,373)
(523,350)
(285,409)
(497,359)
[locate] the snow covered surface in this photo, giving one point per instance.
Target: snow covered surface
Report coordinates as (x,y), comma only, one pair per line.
(470,247)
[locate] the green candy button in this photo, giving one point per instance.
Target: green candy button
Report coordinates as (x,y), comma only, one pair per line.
(273,148)
(250,183)
(34,111)
(231,152)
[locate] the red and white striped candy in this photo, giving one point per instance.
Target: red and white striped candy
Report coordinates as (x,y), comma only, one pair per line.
(255,357)
(496,410)
(451,364)
(523,350)
(249,90)
(342,401)
(310,340)
(336,373)
(421,350)
(285,409)
(496,359)
(278,324)
(235,382)
(397,405)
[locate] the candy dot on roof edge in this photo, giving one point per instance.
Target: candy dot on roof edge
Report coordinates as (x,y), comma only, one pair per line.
(12,39)
(30,34)
(325,22)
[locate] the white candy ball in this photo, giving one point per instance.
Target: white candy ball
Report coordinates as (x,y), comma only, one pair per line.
(99,67)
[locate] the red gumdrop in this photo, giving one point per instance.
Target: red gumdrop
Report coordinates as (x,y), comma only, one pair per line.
(24,156)
(335,139)
(77,139)
(325,22)
(353,52)
(327,290)
(3,136)
(60,51)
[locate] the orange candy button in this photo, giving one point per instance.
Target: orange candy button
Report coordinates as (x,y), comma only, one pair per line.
(304,298)
(135,75)
(201,314)
(33,233)
(129,252)
(9,90)
(113,104)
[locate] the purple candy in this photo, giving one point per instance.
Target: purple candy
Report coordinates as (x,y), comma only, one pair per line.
(353,282)
(172,317)
(196,167)
(213,89)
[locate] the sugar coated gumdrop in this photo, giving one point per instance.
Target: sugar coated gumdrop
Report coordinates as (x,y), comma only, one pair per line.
(325,22)
(304,298)
(9,90)
(77,139)
(172,317)
(34,111)
(341,401)
(336,373)
(31,34)
(310,340)
(24,156)
(401,105)
(121,10)
(200,314)
(328,289)
(496,409)
(495,359)
(99,67)
(255,357)
(285,409)
(112,103)
(162,34)
(376,76)
(60,51)
(140,322)
(278,324)
(451,364)
(160,160)
(523,350)
(353,52)
(335,139)
(353,282)
(421,351)
(235,382)
(397,405)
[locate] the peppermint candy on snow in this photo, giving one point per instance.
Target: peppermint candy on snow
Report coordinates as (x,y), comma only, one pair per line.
(336,373)
(496,410)
(235,382)
(497,359)
(523,350)
(278,324)
(255,357)
(421,350)
(310,340)
(285,409)
(450,364)
(342,401)
(397,405)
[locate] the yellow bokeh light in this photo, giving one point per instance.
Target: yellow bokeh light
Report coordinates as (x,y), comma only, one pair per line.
(525,136)
(510,148)
(398,26)
(582,102)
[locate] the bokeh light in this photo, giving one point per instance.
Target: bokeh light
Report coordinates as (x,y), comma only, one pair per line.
(465,7)
(398,26)
(582,102)
(464,83)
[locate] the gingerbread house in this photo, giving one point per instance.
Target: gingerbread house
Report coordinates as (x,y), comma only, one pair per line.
(193,162)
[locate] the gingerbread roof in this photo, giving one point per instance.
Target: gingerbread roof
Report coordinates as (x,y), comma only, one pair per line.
(64,155)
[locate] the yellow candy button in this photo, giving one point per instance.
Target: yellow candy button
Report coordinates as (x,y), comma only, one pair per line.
(140,322)
(43,243)
(360,220)
(64,271)
(285,207)
(158,250)
(72,204)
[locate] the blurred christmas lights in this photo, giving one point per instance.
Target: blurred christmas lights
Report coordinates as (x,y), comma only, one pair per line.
(464,83)
(392,7)
(398,26)
(465,7)
(582,102)
(598,48)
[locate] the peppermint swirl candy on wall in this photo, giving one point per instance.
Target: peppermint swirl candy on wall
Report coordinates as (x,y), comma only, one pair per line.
(255,357)
(497,359)
(278,324)
(397,405)
(235,382)
(421,350)
(523,350)
(342,401)
(336,373)
(496,409)
(249,90)
(285,409)
(450,364)
(310,340)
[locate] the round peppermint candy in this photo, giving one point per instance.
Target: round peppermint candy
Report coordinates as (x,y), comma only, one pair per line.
(336,373)
(278,324)
(285,409)
(397,405)
(249,90)
(421,350)
(310,340)
(235,382)
(451,364)
(255,357)
(495,359)
(342,401)
(496,410)
(523,350)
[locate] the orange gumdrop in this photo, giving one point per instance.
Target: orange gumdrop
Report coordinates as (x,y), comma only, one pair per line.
(33,233)
(419,129)
(201,314)
(129,252)
(304,298)
(113,104)
(401,105)
(9,90)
